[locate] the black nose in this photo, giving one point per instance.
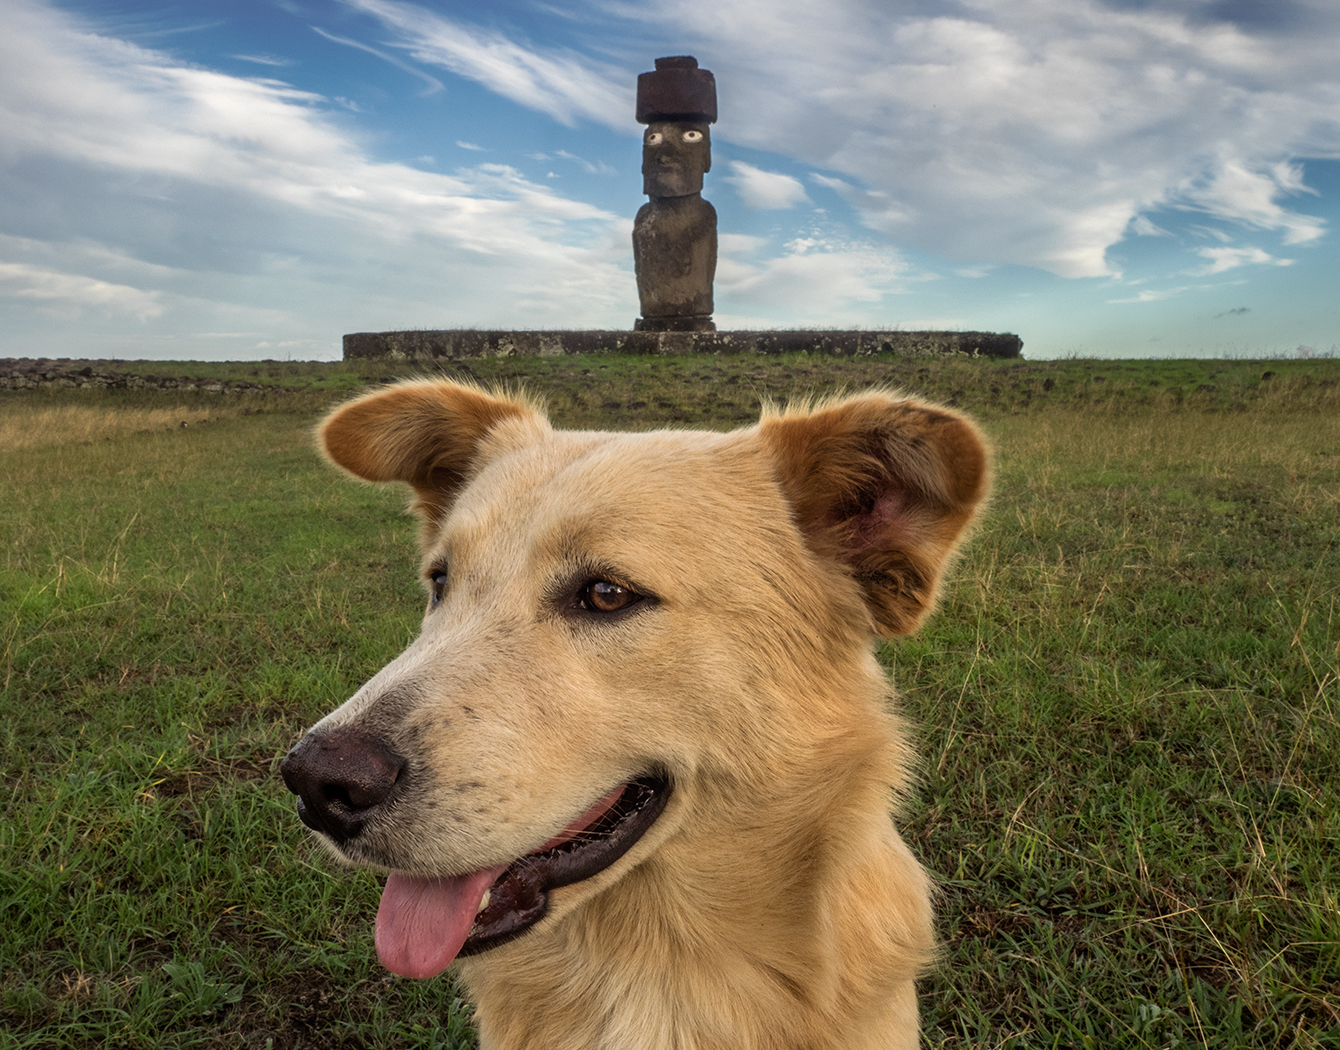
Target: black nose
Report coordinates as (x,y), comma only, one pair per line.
(340,778)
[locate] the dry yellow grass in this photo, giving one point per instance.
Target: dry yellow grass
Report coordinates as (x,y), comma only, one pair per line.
(36,426)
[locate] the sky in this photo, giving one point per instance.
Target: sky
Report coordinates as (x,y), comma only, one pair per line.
(252,179)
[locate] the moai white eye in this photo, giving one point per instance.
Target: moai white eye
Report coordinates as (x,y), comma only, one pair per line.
(653,138)
(693,136)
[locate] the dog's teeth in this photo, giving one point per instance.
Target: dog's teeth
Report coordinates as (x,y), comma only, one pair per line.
(484,901)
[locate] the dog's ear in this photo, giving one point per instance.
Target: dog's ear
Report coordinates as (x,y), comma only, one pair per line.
(885,486)
(426,434)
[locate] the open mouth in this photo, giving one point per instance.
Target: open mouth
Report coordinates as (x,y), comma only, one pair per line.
(423,924)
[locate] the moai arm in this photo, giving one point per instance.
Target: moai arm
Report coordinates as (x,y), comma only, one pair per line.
(675,232)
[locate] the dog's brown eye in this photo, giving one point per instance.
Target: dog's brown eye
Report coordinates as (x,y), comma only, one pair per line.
(605,596)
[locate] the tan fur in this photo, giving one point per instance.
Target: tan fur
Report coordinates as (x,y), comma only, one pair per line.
(773,904)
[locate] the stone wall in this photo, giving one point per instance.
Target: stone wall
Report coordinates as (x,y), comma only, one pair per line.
(28,374)
(469,342)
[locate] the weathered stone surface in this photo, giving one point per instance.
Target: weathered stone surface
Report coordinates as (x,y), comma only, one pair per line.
(31,373)
(676,323)
(675,157)
(675,258)
(676,90)
(467,343)
(675,232)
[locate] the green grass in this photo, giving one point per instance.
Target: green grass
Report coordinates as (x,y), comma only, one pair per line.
(1130,711)
(1127,706)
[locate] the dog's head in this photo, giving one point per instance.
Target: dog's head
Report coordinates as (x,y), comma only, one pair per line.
(618,628)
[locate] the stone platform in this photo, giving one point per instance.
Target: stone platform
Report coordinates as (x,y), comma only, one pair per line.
(469,342)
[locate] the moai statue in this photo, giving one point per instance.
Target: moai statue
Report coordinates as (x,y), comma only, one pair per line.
(675,232)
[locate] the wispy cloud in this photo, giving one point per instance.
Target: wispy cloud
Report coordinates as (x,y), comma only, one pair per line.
(1252,198)
(1035,131)
(220,203)
(434,85)
(1223,259)
(1158,295)
(264,60)
(1143,226)
(566,85)
(1152,295)
(600,168)
(1040,132)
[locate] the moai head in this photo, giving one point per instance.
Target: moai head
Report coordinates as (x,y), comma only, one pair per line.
(677,102)
(675,156)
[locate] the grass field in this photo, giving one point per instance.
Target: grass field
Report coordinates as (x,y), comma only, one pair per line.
(1128,704)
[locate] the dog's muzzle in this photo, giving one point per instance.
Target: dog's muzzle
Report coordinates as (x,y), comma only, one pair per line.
(340,777)
(343,778)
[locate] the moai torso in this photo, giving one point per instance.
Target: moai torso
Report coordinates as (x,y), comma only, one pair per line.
(675,256)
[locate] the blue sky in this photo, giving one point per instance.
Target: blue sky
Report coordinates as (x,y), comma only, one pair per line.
(254,178)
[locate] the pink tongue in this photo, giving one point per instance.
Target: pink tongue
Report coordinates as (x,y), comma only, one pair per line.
(422,923)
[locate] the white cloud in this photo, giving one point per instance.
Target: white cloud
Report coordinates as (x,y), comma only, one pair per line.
(1250,198)
(1142,226)
(264,60)
(1024,131)
(1039,132)
(165,198)
(434,85)
(812,280)
(1222,262)
(66,291)
(735,243)
(1152,295)
(561,83)
(1222,259)
(591,169)
(768,190)
(239,203)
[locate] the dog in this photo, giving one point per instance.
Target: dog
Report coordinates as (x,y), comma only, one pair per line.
(634,777)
